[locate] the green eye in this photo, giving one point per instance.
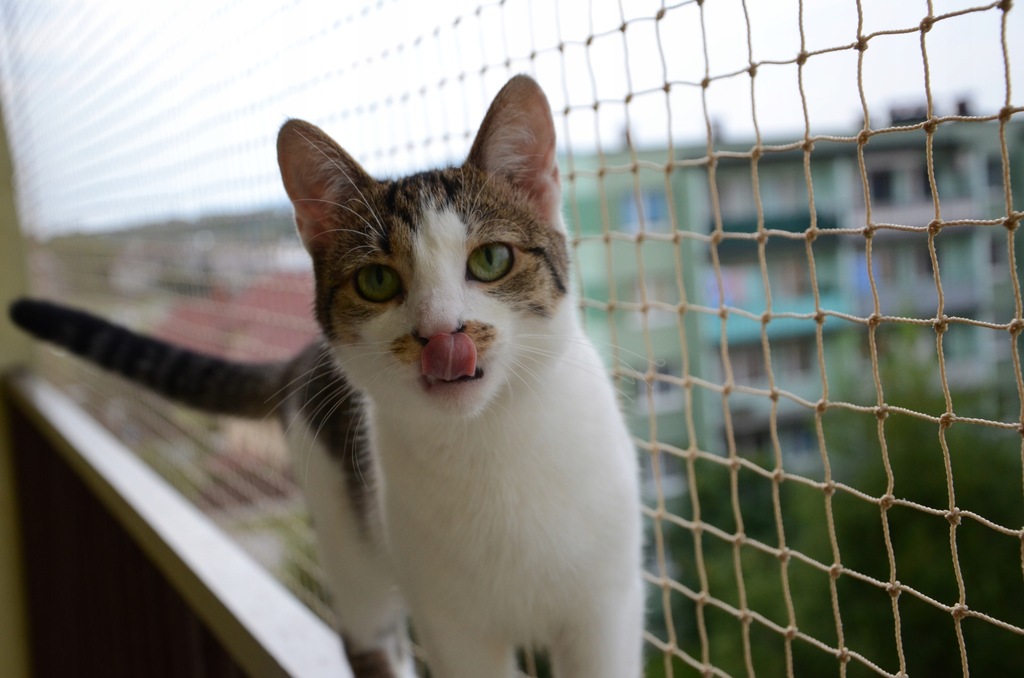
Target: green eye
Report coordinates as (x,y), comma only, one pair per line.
(378,283)
(490,262)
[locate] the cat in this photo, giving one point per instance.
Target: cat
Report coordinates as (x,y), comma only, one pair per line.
(458,440)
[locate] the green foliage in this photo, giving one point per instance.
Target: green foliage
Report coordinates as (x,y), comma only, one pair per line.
(984,465)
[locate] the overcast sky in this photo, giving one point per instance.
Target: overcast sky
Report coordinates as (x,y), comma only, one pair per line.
(122,112)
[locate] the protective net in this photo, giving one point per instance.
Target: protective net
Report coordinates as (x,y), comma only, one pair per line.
(795,236)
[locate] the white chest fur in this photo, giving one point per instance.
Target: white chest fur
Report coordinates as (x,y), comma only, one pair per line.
(514,524)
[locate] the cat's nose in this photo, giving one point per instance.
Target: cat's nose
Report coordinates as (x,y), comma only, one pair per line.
(423,333)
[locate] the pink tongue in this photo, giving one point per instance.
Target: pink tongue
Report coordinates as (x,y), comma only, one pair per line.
(449,356)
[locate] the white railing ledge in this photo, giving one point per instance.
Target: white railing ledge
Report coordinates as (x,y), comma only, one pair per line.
(262,625)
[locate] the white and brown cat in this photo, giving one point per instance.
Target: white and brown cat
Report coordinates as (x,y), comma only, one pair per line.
(459,443)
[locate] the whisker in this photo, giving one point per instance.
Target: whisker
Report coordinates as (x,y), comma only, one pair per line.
(317,365)
(615,349)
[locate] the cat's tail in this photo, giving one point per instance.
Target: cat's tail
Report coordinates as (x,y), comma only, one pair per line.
(201,381)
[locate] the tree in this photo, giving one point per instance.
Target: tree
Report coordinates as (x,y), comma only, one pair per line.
(985,466)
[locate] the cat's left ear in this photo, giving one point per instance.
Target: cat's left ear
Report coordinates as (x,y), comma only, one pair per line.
(517,141)
(320,178)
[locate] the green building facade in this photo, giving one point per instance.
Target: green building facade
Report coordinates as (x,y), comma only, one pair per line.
(674,289)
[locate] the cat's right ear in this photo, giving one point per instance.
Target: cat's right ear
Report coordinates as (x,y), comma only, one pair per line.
(319,177)
(516,141)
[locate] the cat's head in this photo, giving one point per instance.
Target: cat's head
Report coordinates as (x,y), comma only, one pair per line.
(445,287)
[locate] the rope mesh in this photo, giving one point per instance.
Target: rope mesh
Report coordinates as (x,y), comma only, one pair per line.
(796,245)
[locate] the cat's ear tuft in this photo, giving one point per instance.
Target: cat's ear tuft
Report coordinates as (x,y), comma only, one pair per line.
(319,177)
(517,141)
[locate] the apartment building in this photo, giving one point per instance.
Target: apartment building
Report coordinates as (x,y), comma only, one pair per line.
(685,266)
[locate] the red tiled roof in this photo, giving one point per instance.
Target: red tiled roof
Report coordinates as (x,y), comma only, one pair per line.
(268,320)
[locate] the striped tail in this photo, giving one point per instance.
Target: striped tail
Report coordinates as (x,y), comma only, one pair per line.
(194,379)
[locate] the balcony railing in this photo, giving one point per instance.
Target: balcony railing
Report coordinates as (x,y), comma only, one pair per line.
(126,578)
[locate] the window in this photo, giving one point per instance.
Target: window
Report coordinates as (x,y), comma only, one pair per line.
(881,186)
(791,278)
(736,195)
(926,184)
(885,261)
(799,445)
(994,172)
(660,287)
(747,362)
(923,262)
(794,357)
(997,253)
(666,395)
(783,189)
(648,208)
(672,475)
(741,286)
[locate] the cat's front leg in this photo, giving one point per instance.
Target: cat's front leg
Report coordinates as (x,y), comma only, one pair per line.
(456,650)
(605,640)
(370,614)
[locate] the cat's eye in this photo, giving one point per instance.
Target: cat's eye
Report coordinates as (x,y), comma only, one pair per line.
(378,283)
(490,262)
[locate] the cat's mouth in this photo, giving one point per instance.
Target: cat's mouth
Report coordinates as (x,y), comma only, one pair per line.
(431,380)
